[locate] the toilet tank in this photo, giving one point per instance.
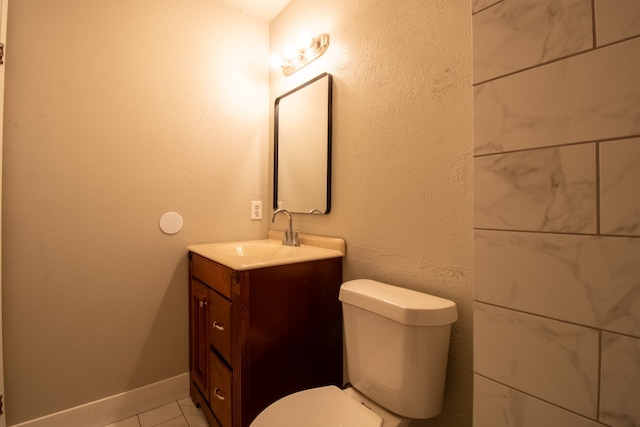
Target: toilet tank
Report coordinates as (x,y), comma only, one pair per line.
(397,342)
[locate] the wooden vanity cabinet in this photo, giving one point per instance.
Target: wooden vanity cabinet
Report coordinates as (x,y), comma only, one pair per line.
(258,335)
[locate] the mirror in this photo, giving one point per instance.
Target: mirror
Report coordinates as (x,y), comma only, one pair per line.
(302,148)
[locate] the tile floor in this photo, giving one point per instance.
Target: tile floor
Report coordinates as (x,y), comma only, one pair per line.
(182,413)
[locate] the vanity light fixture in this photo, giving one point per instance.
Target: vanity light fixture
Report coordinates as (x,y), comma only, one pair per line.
(293,59)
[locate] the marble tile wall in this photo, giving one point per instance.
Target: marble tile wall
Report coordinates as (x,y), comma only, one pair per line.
(557,212)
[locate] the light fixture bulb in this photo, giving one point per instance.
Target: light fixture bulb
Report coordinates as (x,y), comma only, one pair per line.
(305,41)
(289,53)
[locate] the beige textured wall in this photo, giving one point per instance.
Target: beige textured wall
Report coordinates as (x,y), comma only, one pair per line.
(117,112)
(402,151)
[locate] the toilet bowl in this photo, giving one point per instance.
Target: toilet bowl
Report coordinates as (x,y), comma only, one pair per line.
(396,342)
(327,406)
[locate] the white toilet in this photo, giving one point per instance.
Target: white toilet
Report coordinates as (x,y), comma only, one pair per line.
(397,342)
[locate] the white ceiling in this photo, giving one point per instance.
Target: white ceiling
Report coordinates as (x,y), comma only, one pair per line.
(265,10)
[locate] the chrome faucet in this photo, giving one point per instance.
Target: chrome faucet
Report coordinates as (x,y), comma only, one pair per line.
(290,237)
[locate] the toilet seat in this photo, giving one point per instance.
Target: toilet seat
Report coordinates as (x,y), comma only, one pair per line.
(317,407)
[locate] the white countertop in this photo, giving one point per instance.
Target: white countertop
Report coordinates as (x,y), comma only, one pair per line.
(252,254)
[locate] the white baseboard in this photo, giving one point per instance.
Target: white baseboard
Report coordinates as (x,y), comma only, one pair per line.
(117,407)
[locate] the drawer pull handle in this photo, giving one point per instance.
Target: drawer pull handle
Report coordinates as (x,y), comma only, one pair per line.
(218,326)
(203,303)
(217,394)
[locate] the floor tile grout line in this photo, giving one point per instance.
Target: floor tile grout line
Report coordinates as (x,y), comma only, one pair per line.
(189,420)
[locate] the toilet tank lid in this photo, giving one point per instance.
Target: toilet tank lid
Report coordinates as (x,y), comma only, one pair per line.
(403,305)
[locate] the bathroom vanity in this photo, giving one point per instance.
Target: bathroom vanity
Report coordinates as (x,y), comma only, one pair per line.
(265,321)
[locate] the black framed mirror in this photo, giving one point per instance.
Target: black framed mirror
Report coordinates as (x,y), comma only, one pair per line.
(302,148)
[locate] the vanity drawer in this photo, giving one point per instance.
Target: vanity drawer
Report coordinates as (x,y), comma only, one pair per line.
(220,398)
(220,324)
(214,275)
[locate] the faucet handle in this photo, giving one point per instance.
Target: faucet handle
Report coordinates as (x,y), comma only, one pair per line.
(295,239)
(285,236)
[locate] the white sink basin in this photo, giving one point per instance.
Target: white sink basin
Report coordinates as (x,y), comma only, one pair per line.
(258,248)
(250,254)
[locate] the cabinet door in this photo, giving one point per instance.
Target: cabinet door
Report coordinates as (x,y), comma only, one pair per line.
(198,330)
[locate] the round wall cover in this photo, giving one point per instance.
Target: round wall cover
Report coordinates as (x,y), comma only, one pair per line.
(171,222)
